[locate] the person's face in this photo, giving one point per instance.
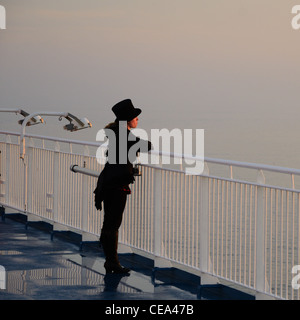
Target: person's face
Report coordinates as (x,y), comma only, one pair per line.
(133,123)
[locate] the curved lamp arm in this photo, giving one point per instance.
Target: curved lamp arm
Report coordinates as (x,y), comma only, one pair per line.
(27,119)
(81,124)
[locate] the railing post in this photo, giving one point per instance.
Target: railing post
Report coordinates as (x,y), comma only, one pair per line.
(58,224)
(2,182)
(159,260)
(84,192)
(206,279)
(28,178)
(56,208)
(7,176)
(204,221)
(260,237)
(157,212)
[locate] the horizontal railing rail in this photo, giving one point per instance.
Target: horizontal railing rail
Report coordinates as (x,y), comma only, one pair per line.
(223,224)
(240,164)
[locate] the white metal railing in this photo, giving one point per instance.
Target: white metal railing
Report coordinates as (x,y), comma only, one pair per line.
(237,221)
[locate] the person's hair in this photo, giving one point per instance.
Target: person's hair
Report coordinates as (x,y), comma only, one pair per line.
(116,122)
(110,125)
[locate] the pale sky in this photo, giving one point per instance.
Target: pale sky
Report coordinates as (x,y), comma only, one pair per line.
(229,67)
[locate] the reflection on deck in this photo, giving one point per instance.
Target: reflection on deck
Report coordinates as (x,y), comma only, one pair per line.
(38,268)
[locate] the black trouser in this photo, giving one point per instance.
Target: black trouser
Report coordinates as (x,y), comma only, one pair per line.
(114,205)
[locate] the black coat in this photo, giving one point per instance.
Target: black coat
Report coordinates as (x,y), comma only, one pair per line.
(115,174)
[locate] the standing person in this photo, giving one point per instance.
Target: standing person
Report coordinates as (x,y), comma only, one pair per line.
(113,182)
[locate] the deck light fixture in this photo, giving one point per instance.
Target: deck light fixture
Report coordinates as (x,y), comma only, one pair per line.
(32,121)
(75,124)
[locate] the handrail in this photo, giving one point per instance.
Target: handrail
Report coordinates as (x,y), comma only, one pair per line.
(31,135)
(75,168)
(247,165)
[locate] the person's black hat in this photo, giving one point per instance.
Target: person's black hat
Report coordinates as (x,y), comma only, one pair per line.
(125,111)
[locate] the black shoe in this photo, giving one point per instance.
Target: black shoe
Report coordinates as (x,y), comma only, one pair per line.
(115,267)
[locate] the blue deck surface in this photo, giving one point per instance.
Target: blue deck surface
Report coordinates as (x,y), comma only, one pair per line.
(40,269)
